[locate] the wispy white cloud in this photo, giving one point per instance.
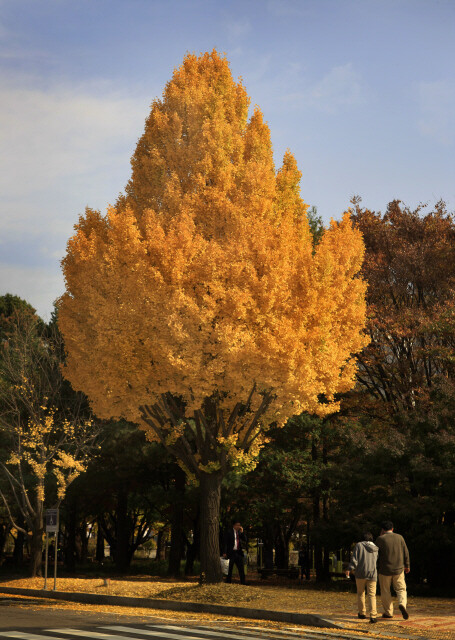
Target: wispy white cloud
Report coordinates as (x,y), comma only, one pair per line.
(51,138)
(62,148)
(12,46)
(238,29)
(436,102)
(236,52)
(259,70)
(340,87)
(337,90)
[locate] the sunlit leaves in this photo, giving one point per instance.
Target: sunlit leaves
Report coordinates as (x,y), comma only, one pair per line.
(201,292)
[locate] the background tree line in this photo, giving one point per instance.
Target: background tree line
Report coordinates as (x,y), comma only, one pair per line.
(389,452)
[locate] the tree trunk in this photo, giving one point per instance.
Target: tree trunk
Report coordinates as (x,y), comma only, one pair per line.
(82,531)
(308,565)
(4,533)
(122,556)
(18,551)
(281,549)
(176,552)
(193,549)
(326,565)
(325,512)
(99,556)
(70,546)
(210,527)
(318,550)
(267,549)
(36,552)
(319,562)
(161,541)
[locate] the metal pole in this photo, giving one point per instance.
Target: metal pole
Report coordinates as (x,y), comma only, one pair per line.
(55,561)
(56,550)
(46,559)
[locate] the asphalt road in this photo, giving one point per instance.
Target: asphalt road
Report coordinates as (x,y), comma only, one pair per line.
(32,621)
(34,614)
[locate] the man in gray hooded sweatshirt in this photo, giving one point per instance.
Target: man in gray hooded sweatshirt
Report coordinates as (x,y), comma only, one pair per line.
(363,565)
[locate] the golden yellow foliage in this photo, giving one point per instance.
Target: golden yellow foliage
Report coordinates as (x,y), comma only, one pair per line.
(196,305)
(39,445)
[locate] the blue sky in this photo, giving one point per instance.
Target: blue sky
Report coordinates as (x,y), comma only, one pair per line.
(361,91)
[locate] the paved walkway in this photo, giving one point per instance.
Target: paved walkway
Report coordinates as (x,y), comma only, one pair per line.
(423,623)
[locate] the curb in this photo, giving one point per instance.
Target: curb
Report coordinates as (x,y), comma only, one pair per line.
(305,619)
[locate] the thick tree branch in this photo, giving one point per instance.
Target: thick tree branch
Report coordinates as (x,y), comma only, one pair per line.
(10,515)
(266,400)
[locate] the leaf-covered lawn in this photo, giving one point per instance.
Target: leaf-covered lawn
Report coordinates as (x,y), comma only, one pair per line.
(299,599)
(258,596)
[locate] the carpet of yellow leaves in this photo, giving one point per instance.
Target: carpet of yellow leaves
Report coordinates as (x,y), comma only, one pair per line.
(340,607)
(275,598)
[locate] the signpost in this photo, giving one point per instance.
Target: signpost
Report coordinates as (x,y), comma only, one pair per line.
(52,517)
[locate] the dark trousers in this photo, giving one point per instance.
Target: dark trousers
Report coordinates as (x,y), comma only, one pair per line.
(237,560)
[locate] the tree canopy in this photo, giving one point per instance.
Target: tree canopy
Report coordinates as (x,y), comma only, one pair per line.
(207,263)
(410,266)
(46,434)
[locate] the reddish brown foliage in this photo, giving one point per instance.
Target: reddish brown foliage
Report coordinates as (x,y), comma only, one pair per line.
(410,268)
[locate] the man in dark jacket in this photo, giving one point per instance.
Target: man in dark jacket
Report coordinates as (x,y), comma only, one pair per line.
(234,542)
(393,563)
(363,565)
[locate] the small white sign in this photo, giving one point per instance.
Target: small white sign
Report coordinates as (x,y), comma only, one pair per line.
(51,520)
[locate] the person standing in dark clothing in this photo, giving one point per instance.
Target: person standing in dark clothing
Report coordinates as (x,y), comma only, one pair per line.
(234,543)
(393,563)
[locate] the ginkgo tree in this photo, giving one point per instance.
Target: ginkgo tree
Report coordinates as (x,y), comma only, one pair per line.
(196,306)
